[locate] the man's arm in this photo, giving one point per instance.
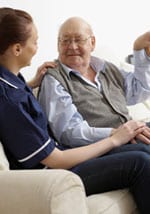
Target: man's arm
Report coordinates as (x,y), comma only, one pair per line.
(137,83)
(143,42)
(65,121)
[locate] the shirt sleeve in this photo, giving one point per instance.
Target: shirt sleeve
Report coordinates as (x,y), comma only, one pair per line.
(65,121)
(137,83)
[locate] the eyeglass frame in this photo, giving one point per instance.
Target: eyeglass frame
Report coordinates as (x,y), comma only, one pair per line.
(78,41)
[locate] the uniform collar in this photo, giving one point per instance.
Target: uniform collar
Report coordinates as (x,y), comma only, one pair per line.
(11,79)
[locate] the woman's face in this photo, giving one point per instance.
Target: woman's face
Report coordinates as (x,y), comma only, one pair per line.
(29,49)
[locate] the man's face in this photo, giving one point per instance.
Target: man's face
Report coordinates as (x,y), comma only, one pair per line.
(75,45)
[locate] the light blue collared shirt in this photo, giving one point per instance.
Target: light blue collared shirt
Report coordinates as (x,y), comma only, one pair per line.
(64,119)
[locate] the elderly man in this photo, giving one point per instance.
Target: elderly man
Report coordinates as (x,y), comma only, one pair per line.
(85,97)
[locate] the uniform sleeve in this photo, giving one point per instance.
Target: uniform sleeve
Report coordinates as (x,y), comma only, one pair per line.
(23,134)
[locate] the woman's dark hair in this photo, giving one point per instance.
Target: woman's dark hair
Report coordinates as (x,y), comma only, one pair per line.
(14,27)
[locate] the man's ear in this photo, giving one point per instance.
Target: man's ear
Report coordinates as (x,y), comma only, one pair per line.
(93,42)
(58,48)
(17,49)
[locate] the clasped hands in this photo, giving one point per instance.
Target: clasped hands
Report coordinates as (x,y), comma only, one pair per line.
(133,131)
(144,136)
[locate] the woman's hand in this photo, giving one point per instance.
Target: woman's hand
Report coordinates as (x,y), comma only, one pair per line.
(36,81)
(127,132)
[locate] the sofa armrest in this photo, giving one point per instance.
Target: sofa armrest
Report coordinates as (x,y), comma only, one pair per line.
(41,191)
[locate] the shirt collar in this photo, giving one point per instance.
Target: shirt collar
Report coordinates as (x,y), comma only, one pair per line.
(96,63)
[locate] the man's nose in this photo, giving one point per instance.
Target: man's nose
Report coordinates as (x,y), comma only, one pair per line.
(73,43)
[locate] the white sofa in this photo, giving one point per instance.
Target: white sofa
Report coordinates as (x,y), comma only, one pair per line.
(55,192)
(58,191)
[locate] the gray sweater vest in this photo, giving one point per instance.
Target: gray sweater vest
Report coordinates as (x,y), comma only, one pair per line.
(99,109)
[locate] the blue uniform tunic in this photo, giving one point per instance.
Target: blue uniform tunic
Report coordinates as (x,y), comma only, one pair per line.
(23,125)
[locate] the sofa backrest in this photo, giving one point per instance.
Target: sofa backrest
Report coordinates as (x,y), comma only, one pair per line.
(4,164)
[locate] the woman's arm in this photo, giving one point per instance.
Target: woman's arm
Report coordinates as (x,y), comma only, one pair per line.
(69,158)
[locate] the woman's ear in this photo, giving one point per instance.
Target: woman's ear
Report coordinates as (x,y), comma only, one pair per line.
(17,49)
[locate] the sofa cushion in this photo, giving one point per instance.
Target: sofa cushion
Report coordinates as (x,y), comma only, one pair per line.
(113,202)
(4,165)
(140,111)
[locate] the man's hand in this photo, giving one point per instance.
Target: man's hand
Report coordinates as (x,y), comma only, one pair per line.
(143,42)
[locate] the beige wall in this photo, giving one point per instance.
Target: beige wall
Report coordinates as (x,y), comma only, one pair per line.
(116,24)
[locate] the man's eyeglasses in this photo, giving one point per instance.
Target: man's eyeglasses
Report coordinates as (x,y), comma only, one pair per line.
(79,41)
